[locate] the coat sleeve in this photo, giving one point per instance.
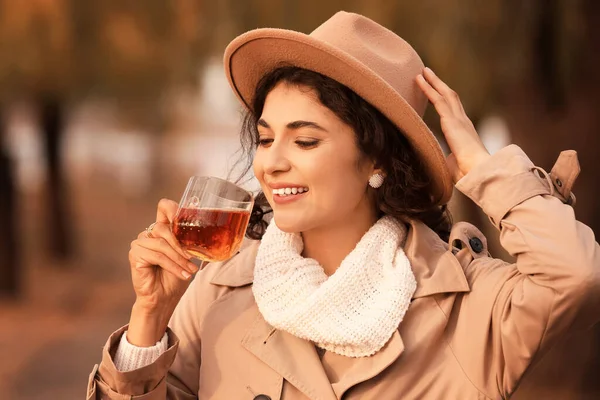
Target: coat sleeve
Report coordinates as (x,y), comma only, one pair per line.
(174,375)
(515,313)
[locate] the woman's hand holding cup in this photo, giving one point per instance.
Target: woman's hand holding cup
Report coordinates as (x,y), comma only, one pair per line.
(161,271)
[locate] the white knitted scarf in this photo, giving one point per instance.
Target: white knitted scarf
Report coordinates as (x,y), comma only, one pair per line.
(353,312)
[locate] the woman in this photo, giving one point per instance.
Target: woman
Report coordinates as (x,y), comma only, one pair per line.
(352,290)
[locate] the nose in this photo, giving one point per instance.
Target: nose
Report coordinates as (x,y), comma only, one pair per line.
(275,159)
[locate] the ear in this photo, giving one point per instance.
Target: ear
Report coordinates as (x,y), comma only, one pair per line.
(375,167)
(378,171)
(372,167)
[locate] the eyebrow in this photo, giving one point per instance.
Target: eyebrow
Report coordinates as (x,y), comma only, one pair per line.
(295,125)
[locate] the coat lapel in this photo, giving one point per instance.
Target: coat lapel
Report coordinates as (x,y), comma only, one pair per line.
(293,358)
(365,368)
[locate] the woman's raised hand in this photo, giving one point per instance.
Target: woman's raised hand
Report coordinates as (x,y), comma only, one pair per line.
(161,272)
(462,138)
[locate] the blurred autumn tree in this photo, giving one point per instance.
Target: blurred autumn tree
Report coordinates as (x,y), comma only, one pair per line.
(56,53)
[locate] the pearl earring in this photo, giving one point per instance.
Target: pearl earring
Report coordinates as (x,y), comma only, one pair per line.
(376,181)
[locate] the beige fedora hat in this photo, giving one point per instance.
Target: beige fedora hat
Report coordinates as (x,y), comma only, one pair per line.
(357,52)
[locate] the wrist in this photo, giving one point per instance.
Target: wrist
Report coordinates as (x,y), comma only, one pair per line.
(147,327)
(476,161)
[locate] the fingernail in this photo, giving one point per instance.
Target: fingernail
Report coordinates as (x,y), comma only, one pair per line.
(186,274)
(430,70)
(193,267)
(188,255)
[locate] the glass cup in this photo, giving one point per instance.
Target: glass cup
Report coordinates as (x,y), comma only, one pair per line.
(212,218)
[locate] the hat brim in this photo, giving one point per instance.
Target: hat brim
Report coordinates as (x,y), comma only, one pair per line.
(253,54)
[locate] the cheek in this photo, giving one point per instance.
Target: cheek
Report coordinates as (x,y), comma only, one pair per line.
(340,182)
(257,167)
(258,170)
(348,189)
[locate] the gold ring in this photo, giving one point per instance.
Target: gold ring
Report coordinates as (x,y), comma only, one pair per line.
(149,230)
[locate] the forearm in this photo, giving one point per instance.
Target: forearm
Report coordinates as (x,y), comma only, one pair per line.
(554,251)
(551,246)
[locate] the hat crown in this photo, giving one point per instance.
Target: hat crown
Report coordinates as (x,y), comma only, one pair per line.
(378,49)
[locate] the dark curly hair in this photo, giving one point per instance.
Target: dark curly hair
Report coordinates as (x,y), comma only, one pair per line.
(406,191)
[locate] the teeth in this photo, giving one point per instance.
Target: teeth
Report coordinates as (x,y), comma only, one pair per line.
(289,191)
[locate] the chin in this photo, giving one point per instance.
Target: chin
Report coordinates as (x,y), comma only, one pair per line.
(289,225)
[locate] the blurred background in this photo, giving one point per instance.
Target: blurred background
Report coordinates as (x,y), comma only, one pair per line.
(108,106)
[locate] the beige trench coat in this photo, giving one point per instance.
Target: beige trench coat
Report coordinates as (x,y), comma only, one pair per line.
(475,326)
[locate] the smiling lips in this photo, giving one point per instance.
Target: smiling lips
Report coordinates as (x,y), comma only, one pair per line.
(289,191)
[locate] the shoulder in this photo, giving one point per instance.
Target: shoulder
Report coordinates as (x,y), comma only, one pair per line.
(452,267)
(470,247)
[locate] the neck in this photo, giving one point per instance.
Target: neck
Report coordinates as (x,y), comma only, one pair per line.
(331,244)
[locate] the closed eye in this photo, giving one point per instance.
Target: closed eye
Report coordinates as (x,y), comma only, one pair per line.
(306,144)
(264,142)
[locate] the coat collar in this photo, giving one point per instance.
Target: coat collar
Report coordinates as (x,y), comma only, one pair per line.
(436,269)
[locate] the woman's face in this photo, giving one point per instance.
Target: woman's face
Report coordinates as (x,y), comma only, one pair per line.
(308,163)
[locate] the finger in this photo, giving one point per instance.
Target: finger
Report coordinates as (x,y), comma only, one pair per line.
(442,88)
(162,246)
(438,101)
(164,230)
(147,258)
(166,211)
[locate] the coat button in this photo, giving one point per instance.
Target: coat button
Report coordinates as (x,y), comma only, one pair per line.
(262,397)
(476,244)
